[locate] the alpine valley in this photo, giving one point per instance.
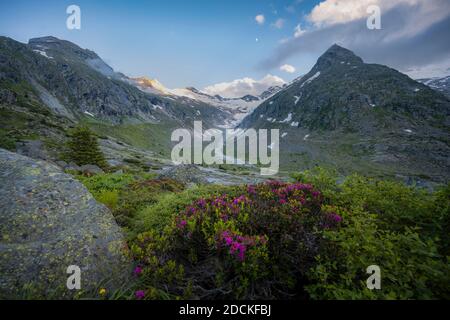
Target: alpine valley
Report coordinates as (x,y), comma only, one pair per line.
(343,114)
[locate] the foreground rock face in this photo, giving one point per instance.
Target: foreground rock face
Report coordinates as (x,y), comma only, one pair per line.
(49,221)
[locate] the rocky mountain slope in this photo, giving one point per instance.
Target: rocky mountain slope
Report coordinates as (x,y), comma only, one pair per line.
(76,82)
(360,117)
(50,85)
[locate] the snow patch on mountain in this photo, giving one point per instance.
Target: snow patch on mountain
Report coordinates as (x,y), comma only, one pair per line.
(288,118)
(315,76)
(43,53)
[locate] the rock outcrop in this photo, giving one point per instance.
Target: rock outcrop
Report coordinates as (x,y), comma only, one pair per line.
(49,221)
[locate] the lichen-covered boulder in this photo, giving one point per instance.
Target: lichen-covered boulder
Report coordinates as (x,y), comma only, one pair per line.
(186,173)
(49,221)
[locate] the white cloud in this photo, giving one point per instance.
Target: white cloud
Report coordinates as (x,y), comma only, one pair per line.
(330,12)
(333,12)
(287,68)
(298,31)
(241,87)
(413,38)
(260,19)
(278,24)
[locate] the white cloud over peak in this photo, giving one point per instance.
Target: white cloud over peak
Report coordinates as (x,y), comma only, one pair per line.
(413,37)
(287,68)
(241,87)
(260,19)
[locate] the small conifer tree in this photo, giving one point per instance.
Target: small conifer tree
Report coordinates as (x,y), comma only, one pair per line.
(84,148)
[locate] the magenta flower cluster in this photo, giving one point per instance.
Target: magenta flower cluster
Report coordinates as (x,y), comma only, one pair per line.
(138,270)
(291,198)
(294,195)
(334,217)
(227,206)
(140,294)
(238,244)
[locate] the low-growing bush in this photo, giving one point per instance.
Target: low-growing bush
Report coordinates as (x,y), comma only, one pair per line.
(108,198)
(257,243)
(411,266)
(281,240)
(141,194)
(99,183)
(402,229)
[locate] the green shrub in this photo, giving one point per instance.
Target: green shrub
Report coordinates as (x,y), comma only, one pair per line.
(411,267)
(125,194)
(258,242)
(322,178)
(108,198)
(397,206)
(400,228)
(441,208)
(106,182)
(140,194)
(7,142)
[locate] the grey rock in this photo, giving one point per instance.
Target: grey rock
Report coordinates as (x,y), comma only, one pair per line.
(188,174)
(7,96)
(61,164)
(33,149)
(49,221)
(72,166)
(91,169)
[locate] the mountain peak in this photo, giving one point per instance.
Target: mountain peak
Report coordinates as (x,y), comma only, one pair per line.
(147,83)
(336,47)
(63,47)
(47,39)
(337,55)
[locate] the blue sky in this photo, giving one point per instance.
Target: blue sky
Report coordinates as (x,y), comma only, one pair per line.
(199,43)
